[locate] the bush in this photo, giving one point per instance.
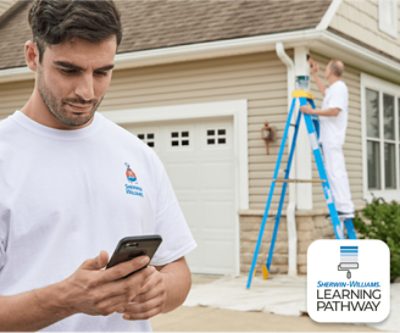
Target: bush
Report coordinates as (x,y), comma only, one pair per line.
(381,220)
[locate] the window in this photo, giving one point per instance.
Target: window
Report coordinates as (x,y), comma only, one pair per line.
(389,141)
(148,138)
(382,136)
(180,138)
(216,136)
(373,145)
(388,17)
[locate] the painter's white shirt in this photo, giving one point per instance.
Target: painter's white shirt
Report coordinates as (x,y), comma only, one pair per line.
(65,196)
(333,129)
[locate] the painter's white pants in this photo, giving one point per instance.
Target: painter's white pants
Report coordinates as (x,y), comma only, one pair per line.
(337,177)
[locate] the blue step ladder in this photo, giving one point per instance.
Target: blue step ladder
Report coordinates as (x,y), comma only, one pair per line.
(312,125)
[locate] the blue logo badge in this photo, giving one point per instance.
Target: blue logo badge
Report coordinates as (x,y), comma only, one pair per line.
(132,187)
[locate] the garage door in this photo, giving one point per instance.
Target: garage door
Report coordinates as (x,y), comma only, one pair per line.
(199,158)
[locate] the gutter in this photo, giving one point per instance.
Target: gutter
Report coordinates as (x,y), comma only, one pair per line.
(213,49)
(291,207)
(188,52)
(313,38)
(359,51)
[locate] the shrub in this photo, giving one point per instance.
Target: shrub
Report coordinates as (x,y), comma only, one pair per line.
(381,220)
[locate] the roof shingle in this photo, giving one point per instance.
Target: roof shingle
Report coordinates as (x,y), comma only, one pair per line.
(152,24)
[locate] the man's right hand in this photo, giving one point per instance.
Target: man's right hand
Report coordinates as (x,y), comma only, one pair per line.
(91,289)
(313,66)
(96,291)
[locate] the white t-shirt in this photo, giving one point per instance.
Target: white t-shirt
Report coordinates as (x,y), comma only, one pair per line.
(333,129)
(66,195)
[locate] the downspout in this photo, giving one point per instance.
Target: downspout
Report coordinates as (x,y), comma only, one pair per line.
(291,207)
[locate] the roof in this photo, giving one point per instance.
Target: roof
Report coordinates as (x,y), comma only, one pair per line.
(4,5)
(153,24)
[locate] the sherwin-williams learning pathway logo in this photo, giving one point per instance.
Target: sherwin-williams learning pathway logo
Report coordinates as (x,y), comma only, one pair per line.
(132,188)
(362,294)
(348,259)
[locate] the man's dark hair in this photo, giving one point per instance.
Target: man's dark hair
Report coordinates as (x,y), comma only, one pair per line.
(55,21)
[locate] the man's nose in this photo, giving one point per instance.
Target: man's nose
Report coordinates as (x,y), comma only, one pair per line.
(85,88)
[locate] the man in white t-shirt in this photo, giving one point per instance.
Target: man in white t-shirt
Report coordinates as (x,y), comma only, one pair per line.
(333,122)
(72,184)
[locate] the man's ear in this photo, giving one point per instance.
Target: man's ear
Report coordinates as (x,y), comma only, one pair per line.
(31,55)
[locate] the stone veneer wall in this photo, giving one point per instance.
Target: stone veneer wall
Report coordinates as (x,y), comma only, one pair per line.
(310,227)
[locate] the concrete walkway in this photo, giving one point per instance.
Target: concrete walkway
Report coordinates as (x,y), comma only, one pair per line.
(223,304)
(207,319)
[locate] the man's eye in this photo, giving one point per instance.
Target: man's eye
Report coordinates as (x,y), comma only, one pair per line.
(101,73)
(69,71)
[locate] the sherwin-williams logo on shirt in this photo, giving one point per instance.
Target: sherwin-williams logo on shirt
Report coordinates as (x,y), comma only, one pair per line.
(132,187)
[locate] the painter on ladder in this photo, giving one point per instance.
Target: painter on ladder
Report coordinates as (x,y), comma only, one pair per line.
(333,123)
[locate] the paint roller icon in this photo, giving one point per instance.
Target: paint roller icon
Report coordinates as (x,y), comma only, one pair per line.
(348,259)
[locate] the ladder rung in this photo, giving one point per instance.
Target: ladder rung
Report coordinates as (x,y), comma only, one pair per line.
(296,180)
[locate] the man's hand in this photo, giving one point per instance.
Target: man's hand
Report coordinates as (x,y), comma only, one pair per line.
(151,299)
(331,112)
(165,288)
(313,66)
(96,291)
(91,289)
(307,109)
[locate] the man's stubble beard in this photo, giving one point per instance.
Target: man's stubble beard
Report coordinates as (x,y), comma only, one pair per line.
(56,107)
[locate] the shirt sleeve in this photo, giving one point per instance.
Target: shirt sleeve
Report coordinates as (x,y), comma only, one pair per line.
(338,97)
(3,241)
(2,255)
(177,240)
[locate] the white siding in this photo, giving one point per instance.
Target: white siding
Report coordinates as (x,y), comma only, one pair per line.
(5,4)
(259,78)
(13,96)
(359,19)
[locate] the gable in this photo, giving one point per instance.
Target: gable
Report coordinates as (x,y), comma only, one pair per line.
(359,20)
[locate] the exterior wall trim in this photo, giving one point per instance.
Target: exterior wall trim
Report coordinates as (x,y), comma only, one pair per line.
(329,15)
(303,154)
(229,48)
(360,51)
(368,81)
(291,207)
(237,109)
(383,26)
(187,52)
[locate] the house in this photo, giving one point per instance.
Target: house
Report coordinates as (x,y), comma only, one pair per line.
(4,5)
(197,79)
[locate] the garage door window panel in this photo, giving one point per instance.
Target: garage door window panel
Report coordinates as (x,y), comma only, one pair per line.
(148,138)
(216,137)
(180,139)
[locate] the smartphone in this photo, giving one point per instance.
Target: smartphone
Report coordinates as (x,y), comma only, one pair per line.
(132,247)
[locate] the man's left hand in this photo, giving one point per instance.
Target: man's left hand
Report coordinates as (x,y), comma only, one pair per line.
(307,109)
(151,299)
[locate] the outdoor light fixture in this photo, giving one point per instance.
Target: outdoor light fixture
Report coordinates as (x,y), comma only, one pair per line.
(268,134)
